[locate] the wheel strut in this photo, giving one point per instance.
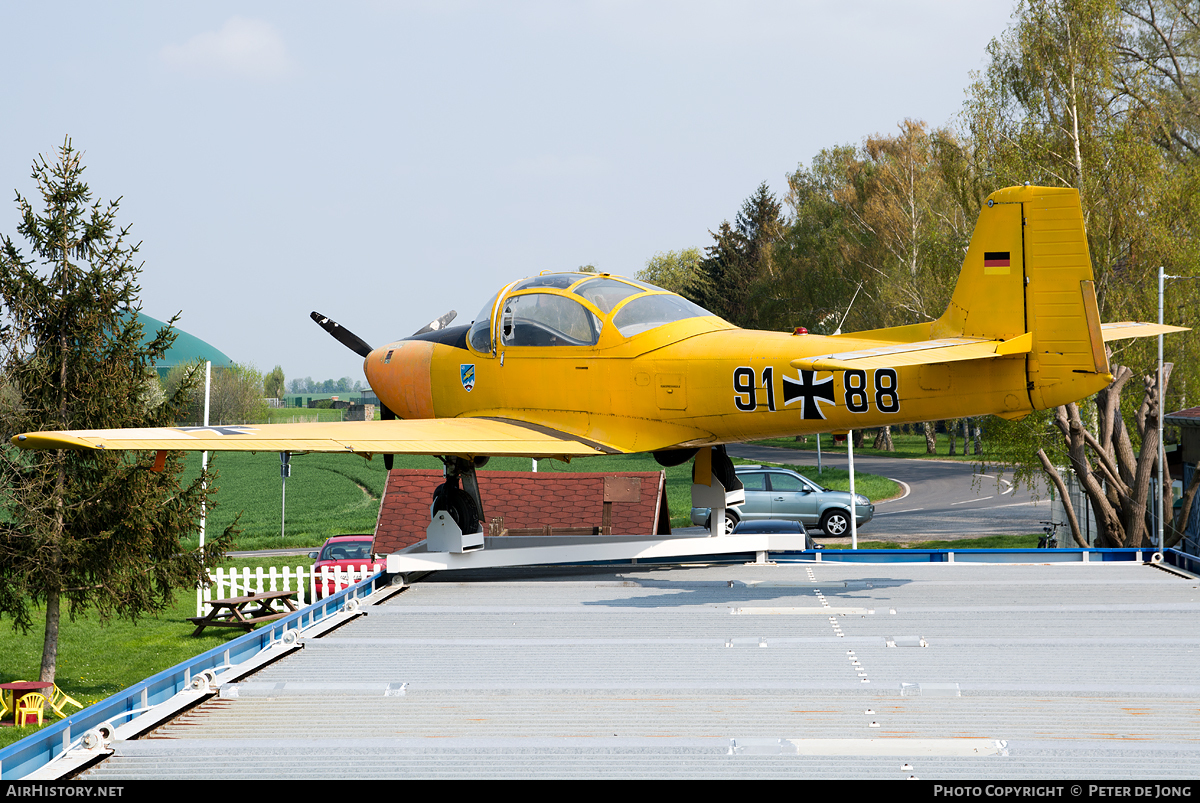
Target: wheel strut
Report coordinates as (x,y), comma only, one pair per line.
(463,502)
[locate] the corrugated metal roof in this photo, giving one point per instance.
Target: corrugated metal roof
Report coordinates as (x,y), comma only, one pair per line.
(1056,671)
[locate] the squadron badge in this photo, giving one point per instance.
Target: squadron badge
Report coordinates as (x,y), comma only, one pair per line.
(467,374)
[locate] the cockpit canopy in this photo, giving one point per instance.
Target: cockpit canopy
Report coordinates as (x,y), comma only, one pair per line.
(573,309)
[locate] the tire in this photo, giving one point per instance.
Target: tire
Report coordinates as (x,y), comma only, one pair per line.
(835,523)
(459,505)
(669,458)
(723,469)
(731,521)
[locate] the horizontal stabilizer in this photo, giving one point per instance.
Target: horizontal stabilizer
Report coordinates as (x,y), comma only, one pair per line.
(925,352)
(1127,329)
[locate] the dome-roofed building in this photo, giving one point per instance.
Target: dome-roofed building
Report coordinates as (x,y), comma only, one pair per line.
(186,349)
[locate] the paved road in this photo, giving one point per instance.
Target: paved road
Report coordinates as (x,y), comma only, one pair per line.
(944,500)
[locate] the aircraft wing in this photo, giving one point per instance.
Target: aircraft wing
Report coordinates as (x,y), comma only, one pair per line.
(435,436)
(923,352)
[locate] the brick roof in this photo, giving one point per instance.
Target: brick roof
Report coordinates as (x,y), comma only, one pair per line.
(1187,418)
(524,499)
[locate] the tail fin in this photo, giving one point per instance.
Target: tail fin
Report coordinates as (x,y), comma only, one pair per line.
(1028,270)
(1025,288)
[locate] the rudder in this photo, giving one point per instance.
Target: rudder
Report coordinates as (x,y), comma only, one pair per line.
(1028,269)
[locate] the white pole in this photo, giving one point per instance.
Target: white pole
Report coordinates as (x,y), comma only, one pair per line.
(1162,449)
(818,452)
(204,455)
(853,508)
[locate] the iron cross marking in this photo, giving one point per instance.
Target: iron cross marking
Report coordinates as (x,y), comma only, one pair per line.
(808,393)
(232,430)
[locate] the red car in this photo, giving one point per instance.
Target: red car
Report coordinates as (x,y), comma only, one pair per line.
(343,553)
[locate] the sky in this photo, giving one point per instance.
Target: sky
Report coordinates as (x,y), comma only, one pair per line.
(385,162)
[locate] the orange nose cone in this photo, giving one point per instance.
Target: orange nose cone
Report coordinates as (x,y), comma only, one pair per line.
(399,375)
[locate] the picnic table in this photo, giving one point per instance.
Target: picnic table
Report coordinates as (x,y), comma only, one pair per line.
(244,612)
(20,688)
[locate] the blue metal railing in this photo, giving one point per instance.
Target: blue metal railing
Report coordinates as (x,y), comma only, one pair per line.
(38,749)
(1073,555)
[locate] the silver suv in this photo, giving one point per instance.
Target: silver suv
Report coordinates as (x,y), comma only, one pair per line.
(777,493)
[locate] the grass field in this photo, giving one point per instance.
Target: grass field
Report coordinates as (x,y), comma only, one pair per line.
(300,415)
(97,660)
(906,446)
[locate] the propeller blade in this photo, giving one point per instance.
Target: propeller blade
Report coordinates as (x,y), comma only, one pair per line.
(343,335)
(437,324)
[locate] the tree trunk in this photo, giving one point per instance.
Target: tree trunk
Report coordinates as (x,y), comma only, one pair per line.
(50,640)
(883,440)
(859,436)
(930,437)
(951,427)
(1068,507)
(978,439)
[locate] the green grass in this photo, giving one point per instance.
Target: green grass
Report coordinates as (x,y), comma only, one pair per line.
(298,415)
(97,660)
(906,446)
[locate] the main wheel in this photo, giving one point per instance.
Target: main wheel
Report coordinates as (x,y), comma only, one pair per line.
(835,522)
(459,504)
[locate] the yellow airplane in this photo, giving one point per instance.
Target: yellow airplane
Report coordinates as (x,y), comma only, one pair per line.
(570,364)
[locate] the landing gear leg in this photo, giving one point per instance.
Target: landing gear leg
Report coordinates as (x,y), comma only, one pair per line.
(456,510)
(462,503)
(715,485)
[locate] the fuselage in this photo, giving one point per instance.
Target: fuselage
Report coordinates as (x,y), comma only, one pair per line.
(649,385)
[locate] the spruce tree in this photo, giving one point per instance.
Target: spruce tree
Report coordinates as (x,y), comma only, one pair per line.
(739,255)
(94,529)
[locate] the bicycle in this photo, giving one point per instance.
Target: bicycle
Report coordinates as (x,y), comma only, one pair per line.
(1050,539)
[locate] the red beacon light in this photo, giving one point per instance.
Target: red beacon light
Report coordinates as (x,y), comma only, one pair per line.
(800,330)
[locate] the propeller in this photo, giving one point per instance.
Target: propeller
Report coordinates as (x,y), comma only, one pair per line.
(361,348)
(343,335)
(436,324)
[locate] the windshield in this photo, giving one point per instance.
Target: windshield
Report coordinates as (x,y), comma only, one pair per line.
(542,319)
(347,550)
(649,312)
(480,335)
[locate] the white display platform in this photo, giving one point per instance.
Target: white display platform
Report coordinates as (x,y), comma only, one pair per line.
(543,549)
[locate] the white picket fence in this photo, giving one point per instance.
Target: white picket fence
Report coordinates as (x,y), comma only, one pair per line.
(239,582)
